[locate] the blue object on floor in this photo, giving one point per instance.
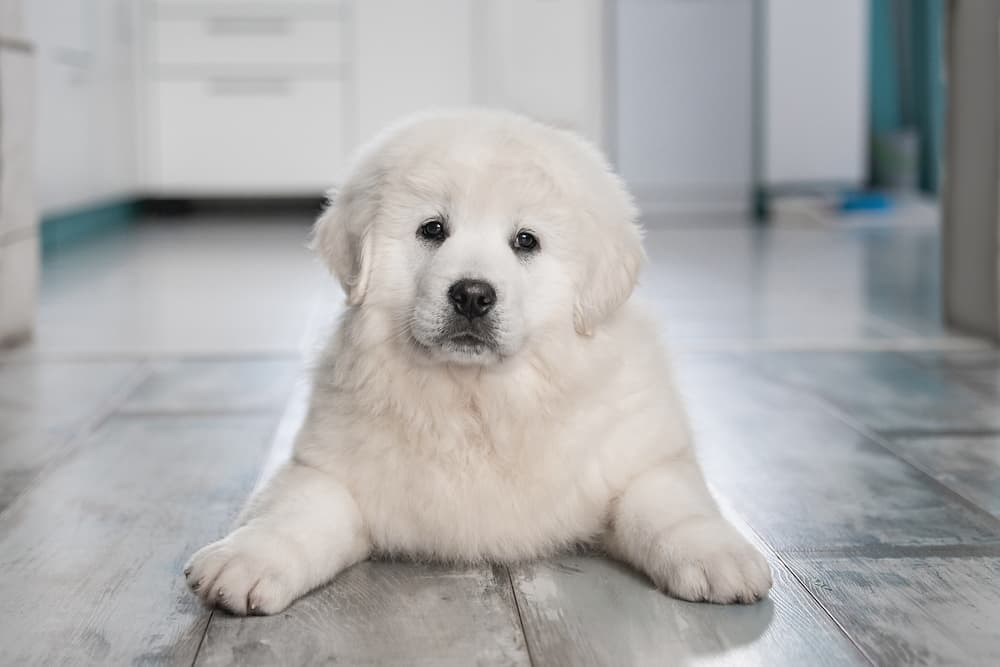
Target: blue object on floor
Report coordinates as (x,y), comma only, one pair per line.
(864,202)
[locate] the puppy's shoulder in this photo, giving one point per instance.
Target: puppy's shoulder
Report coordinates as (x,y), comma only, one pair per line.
(635,328)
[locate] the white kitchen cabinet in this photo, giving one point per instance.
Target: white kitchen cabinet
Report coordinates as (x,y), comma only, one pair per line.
(247,135)
(245,99)
(815,88)
(270,98)
(684,108)
(242,38)
(11,20)
(85,111)
(720,99)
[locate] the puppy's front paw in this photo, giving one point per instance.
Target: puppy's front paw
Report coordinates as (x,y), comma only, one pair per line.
(707,560)
(248,572)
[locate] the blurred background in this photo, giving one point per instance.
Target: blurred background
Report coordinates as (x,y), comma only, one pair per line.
(715,111)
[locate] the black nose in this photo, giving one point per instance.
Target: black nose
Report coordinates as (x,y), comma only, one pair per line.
(472,298)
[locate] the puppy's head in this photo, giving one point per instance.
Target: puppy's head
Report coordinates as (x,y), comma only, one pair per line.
(476,234)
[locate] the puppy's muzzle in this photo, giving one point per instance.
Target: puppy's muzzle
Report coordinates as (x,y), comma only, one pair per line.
(472,298)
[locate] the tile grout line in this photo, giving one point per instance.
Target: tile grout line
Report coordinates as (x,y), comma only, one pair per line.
(875,437)
(891,551)
(274,440)
(520,615)
(883,443)
(204,635)
(151,357)
(951,373)
(725,503)
(924,434)
(808,590)
(100,415)
(261,411)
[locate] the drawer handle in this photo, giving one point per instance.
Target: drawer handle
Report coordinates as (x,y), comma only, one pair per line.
(271,86)
(247,25)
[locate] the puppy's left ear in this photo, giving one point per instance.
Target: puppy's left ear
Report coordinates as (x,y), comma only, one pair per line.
(613,266)
(343,235)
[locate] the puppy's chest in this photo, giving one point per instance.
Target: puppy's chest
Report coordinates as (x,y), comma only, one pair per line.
(483,493)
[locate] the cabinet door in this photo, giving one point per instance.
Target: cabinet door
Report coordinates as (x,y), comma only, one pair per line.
(684,116)
(411,56)
(816,87)
(253,135)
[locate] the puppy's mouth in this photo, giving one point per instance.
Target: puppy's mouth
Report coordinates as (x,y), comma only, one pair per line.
(461,342)
(468,343)
(468,340)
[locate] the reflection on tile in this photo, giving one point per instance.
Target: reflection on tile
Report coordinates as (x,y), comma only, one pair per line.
(907,611)
(590,611)
(383,613)
(91,557)
(53,393)
(215,386)
(175,287)
(979,369)
(801,281)
(969,465)
(884,390)
(42,408)
(804,479)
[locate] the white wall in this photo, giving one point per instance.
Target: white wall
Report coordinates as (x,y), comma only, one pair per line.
(85,124)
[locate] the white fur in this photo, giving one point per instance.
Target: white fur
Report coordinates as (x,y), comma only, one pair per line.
(569,430)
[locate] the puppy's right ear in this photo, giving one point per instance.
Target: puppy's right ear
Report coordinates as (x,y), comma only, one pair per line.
(343,236)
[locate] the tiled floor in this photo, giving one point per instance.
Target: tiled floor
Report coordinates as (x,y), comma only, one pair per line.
(855,439)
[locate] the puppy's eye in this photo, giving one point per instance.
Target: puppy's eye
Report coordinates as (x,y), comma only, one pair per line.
(432,230)
(525,241)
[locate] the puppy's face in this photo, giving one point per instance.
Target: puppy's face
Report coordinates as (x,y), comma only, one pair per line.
(474,255)
(482,236)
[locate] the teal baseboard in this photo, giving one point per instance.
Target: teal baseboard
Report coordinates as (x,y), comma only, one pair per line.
(68,229)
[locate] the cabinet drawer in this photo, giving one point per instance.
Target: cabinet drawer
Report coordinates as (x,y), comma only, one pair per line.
(246,135)
(234,37)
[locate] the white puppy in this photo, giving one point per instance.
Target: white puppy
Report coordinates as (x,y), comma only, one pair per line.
(490,394)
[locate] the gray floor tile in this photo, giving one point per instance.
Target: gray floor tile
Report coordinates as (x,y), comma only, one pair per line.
(91,557)
(195,386)
(885,390)
(979,369)
(47,394)
(590,611)
(44,407)
(383,613)
(969,465)
(803,478)
(912,611)
(186,287)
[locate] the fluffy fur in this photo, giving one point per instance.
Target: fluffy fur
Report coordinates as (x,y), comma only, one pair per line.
(558,425)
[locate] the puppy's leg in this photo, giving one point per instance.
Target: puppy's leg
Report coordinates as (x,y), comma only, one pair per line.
(297,533)
(667,525)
